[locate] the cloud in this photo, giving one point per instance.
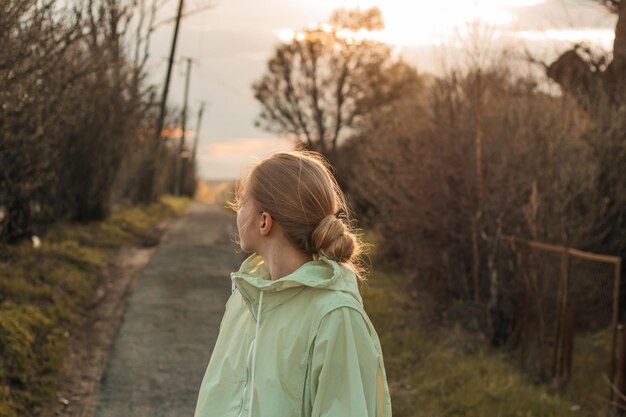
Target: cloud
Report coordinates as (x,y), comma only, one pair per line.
(230,159)
(559,14)
(604,37)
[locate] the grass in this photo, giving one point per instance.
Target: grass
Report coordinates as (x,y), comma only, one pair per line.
(590,370)
(435,371)
(43,292)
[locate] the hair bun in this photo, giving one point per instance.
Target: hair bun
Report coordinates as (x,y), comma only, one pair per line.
(331,238)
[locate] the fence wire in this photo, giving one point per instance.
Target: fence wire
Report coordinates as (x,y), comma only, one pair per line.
(563,309)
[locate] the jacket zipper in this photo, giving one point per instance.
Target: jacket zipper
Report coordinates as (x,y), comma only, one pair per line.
(245,387)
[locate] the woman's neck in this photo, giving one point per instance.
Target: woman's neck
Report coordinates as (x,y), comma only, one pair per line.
(282,260)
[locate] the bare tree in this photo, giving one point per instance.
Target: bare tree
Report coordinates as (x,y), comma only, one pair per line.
(413,175)
(598,82)
(35,38)
(73,102)
(319,86)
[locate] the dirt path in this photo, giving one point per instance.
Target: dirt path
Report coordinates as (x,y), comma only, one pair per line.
(170,325)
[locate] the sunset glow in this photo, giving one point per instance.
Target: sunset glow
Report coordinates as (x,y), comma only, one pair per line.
(422,24)
(230,159)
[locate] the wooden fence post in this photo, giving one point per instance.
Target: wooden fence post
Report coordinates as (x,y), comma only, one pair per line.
(618,396)
(568,343)
(561,306)
(617,329)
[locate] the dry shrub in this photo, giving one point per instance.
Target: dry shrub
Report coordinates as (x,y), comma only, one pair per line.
(414,174)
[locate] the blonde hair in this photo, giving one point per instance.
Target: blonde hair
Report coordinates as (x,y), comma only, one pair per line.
(299,191)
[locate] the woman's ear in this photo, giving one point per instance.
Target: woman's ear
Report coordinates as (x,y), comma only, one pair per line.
(266,224)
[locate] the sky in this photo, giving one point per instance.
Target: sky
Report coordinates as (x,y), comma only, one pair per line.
(231,42)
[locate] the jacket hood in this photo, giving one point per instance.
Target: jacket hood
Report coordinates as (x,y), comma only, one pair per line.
(253,277)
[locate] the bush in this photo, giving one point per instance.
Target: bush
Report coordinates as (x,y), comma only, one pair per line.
(435,371)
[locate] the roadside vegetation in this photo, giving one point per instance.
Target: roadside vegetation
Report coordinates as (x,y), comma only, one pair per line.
(77,116)
(82,173)
(447,370)
(45,291)
(447,169)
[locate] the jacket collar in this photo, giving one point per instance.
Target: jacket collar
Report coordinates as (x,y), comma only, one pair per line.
(322,272)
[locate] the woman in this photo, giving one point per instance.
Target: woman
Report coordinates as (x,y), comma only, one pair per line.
(294,339)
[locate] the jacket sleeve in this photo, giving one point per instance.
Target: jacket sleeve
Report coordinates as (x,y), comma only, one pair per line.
(347,374)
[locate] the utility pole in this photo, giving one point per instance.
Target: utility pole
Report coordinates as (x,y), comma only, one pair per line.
(160,120)
(197,136)
(180,168)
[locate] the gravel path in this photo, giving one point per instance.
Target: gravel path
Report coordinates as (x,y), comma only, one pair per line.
(172,319)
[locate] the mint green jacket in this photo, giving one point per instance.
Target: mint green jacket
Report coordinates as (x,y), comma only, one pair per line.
(299,346)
